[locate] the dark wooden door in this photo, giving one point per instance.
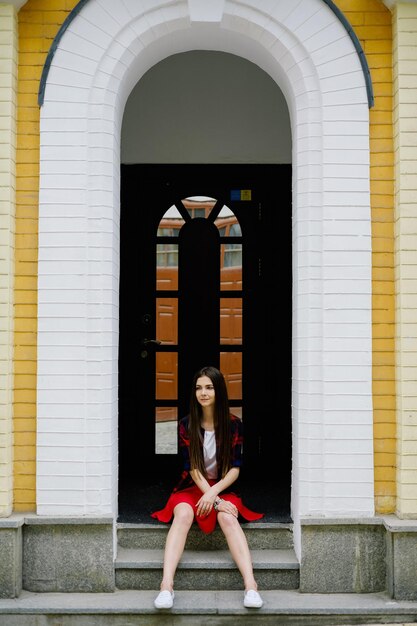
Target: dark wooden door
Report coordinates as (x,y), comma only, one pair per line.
(205,278)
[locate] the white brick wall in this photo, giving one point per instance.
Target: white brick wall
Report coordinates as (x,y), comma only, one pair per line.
(405,60)
(309,54)
(8,84)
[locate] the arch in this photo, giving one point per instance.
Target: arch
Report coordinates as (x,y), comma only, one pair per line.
(330,4)
(308,52)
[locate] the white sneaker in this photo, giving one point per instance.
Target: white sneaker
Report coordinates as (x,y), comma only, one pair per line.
(164,600)
(252,600)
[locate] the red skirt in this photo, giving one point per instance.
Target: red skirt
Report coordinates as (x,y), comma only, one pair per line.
(207,523)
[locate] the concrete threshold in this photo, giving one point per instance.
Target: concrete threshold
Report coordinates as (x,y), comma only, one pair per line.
(210,607)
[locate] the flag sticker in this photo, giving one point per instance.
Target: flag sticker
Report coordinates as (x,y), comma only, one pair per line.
(241,194)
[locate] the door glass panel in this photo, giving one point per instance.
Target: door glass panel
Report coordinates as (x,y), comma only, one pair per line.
(167,266)
(171,223)
(231,366)
(231,321)
(166,363)
(236,410)
(232,255)
(167,320)
(199,206)
(227,223)
(166,375)
(166,440)
(231,266)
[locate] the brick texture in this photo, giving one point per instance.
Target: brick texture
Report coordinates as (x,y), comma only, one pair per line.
(39,22)
(8,84)
(405,132)
(372,24)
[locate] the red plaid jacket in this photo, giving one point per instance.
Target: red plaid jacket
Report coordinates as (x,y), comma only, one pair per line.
(184,447)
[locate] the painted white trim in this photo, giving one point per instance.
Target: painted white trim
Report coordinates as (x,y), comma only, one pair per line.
(404,76)
(390,4)
(218,3)
(17,4)
(8,116)
(101,56)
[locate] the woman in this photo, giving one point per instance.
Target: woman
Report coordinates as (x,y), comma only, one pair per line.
(211,441)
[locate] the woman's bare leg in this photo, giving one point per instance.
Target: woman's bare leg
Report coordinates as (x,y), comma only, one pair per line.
(175,542)
(238,546)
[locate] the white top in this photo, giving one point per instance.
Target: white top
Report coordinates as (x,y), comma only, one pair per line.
(209,450)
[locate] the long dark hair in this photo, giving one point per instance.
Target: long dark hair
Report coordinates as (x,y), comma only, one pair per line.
(221,423)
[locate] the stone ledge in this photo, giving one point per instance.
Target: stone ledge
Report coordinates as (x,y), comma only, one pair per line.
(259,524)
(396,525)
(340,521)
(31,519)
(359,554)
(14,521)
(289,602)
(43,520)
(391,522)
(343,555)
(11,558)
(68,554)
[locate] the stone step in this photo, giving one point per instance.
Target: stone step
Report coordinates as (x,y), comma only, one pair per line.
(199,569)
(214,608)
(260,535)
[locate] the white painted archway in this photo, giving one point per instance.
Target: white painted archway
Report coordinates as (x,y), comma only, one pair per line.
(99,59)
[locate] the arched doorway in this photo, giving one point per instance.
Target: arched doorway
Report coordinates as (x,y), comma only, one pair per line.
(202,287)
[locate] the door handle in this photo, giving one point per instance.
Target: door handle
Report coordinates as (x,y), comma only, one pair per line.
(153,342)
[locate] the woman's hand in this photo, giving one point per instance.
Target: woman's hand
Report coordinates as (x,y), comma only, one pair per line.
(225,506)
(205,503)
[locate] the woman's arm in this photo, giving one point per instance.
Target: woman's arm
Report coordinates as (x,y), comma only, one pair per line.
(210,493)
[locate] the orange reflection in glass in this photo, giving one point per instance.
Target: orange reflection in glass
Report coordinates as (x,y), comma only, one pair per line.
(167,320)
(230,321)
(167,266)
(166,375)
(171,223)
(199,206)
(231,366)
(231,266)
(227,223)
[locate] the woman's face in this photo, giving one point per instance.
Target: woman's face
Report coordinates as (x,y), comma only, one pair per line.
(204,391)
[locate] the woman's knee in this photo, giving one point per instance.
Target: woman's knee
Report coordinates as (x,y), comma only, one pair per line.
(184,514)
(226,521)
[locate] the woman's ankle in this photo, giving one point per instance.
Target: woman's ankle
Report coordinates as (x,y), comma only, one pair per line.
(166,586)
(251,584)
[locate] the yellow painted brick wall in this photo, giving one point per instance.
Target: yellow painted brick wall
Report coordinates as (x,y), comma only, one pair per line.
(39,21)
(405,126)
(8,85)
(372,22)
